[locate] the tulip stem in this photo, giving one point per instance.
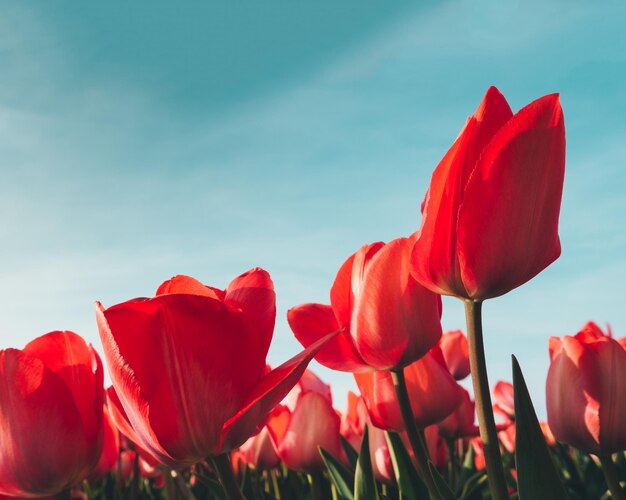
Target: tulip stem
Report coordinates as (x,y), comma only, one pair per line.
(486,422)
(227,477)
(612,479)
(417,442)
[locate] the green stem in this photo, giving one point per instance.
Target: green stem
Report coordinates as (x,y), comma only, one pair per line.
(612,479)
(486,423)
(419,449)
(275,485)
(227,477)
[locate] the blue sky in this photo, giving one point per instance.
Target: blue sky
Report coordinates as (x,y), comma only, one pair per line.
(138,142)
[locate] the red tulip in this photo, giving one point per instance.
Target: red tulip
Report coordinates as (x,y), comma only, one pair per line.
(455,351)
(585,392)
(388,319)
(189,365)
(490,216)
(353,420)
(51,397)
(307,383)
(433,393)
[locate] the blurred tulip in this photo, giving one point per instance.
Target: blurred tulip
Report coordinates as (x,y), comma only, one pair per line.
(503,396)
(353,423)
(456,353)
(585,392)
(388,319)
(299,433)
(189,365)
(507,437)
(307,383)
(433,393)
(259,451)
(51,431)
(490,217)
(460,423)
(437,448)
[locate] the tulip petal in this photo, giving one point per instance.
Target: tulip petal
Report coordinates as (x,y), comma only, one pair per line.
(396,318)
(508,220)
(188,285)
(347,284)
(434,258)
(311,322)
(41,434)
(254,293)
(270,390)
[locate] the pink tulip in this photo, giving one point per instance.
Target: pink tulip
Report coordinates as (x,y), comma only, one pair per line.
(585,392)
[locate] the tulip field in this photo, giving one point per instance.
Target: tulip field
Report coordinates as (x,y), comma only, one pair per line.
(195,412)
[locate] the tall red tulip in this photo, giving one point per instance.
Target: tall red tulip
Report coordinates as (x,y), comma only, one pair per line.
(433,393)
(51,431)
(490,217)
(388,319)
(585,392)
(188,365)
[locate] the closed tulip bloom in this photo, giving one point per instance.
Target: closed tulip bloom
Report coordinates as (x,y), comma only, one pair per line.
(353,420)
(490,216)
(585,392)
(455,351)
(388,319)
(51,431)
(188,365)
(433,393)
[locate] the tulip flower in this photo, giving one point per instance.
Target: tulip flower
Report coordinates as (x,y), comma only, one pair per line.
(456,353)
(299,434)
(188,366)
(51,431)
(388,319)
(433,393)
(585,392)
(490,217)
(353,421)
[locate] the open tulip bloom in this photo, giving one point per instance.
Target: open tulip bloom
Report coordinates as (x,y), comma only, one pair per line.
(188,365)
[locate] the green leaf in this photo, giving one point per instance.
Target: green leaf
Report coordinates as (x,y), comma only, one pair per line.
(443,488)
(364,482)
(409,483)
(350,453)
(537,478)
(341,477)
